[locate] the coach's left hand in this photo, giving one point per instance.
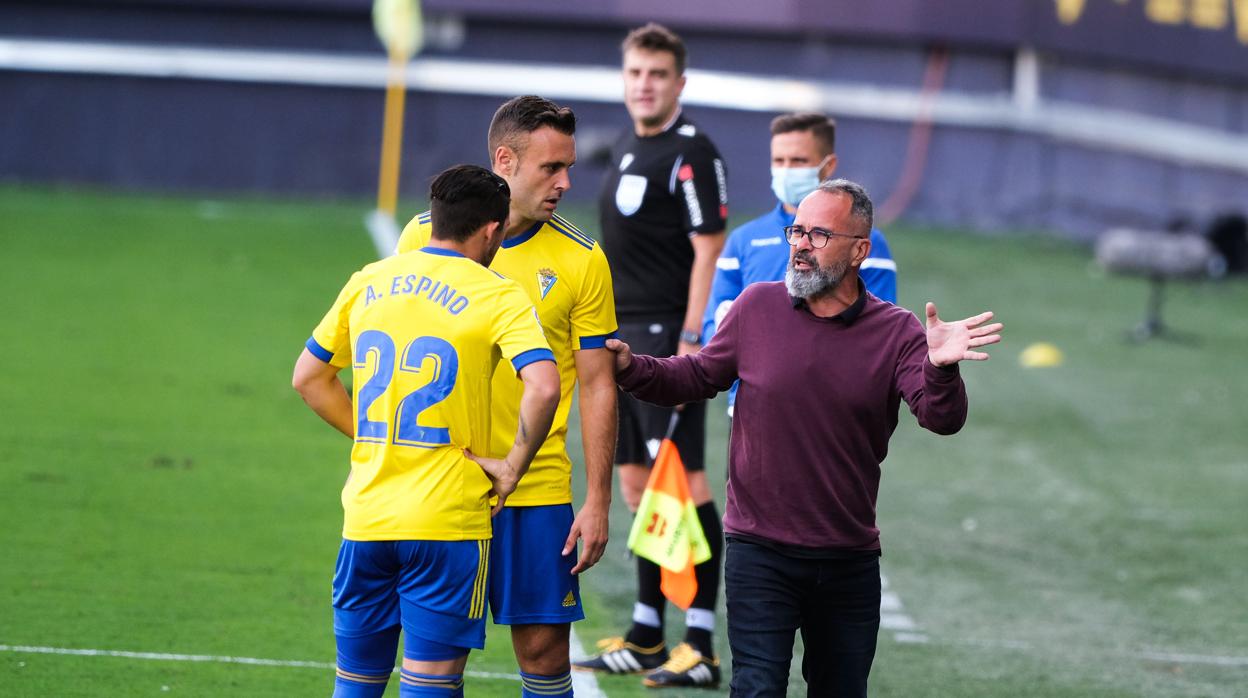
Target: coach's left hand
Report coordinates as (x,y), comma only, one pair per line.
(591,526)
(951,342)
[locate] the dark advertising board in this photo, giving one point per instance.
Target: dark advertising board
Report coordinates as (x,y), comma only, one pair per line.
(1193,36)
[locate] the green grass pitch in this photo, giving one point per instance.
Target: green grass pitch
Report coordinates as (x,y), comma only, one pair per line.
(163,490)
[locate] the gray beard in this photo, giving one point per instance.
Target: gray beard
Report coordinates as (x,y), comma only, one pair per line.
(816,281)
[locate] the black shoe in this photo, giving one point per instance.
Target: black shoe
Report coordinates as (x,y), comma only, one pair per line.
(615,656)
(686,667)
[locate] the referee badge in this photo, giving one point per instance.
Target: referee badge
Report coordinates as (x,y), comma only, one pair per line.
(629,193)
(546,278)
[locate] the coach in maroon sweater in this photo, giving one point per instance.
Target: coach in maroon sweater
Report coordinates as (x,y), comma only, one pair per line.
(823,367)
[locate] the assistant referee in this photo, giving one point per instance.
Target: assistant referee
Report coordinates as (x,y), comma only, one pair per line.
(663,209)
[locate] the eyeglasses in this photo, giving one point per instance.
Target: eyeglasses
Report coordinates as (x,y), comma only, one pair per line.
(818,236)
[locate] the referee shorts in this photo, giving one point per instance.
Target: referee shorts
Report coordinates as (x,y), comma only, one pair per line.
(642,425)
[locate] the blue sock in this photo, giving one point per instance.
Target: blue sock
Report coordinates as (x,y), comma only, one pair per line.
(365,664)
(539,686)
(413,685)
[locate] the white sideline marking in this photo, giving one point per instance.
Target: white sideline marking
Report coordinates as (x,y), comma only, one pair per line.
(889,602)
(1147,655)
(894,617)
(384,231)
(1194,658)
(897,621)
(584,684)
(218,659)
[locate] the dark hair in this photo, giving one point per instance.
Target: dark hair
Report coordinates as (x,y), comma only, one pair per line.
(822,127)
(860,204)
(520,116)
(656,37)
(464,198)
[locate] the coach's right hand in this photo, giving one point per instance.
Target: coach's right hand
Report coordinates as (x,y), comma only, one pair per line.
(623,355)
(503,476)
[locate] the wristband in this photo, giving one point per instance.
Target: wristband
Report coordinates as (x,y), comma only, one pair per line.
(690,337)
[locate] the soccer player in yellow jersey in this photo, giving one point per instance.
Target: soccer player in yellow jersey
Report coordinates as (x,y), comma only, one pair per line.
(423,332)
(533,568)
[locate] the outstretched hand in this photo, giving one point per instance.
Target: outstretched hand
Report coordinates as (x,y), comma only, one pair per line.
(502,477)
(951,342)
(623,355)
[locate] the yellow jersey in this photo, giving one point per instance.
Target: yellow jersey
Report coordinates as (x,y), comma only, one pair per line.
(565,274)
(424,333)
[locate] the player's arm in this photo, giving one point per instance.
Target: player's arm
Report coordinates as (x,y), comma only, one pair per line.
(518,334)
(595,375)
(326,353)
(706,211)
(725,286)
(537,413)
(592,320)
(706,249)
(317,383)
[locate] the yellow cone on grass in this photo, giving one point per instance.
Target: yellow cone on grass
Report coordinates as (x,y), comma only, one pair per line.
(1041,355)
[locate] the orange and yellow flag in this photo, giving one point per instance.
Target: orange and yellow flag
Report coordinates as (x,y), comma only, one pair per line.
(666,530)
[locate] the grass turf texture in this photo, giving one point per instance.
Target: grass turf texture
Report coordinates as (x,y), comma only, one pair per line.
(162,489)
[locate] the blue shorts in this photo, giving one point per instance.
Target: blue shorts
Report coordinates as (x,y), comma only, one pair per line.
(530,581)
(435,589)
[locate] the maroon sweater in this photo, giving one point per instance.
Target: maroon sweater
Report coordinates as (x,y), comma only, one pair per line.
(817,404)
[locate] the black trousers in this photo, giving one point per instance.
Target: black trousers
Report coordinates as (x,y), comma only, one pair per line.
(834,602)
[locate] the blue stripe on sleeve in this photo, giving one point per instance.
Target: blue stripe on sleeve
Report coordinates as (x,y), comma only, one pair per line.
(319,351)
(531,356)
(597,341)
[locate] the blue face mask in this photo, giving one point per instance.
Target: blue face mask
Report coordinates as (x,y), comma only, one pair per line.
(792,184)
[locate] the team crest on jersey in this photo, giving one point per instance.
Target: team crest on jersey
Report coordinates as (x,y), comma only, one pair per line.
(546,278)
(629,193)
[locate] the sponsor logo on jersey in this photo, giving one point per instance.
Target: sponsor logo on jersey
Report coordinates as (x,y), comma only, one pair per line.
(721,181)
(626,161)
(765,242)
(546,278)
(691,194)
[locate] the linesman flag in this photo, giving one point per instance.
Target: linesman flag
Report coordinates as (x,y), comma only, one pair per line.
(666,530)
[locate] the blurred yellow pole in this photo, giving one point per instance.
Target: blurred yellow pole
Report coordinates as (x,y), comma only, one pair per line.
(392,135)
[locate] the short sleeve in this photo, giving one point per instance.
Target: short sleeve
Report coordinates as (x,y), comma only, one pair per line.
(517,330)
(593,314)
(726,285)
(331,340)
(702,186)
(416,233)
(879,271)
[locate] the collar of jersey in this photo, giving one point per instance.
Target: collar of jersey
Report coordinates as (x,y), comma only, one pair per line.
(440,251)
(523,237)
